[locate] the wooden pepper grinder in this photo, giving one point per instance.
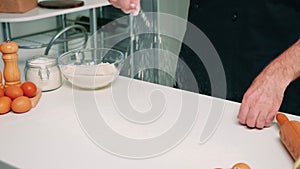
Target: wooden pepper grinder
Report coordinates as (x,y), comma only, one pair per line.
(1,85)
(290,136)
(11,70)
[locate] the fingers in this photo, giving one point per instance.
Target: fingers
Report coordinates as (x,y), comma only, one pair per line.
(127,6)
(255,116)
(251,118)
(255,119)
(270,118)
(261,120)
(135,4)
(258,109)
(242,116)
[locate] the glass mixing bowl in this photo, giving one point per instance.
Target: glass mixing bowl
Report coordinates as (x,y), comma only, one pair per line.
(91,68)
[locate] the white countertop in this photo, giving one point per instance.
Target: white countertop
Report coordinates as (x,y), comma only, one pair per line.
(55,133)
(41,13)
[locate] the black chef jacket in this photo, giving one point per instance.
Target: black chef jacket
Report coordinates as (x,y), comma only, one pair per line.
(247,36)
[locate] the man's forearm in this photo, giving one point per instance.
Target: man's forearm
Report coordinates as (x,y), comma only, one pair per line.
(263,98)
(286,67)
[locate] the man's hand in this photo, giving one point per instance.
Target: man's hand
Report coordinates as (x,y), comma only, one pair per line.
(127,6)
(262,100)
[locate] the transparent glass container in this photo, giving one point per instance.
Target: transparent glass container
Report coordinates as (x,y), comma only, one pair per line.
(44,72)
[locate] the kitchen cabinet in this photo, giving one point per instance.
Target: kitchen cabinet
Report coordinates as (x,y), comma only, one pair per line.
(34,43)
(42,13)
(42,38)
(94,7)
(103,40)
(55,134)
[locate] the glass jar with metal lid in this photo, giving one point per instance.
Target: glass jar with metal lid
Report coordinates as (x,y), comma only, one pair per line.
(44,72)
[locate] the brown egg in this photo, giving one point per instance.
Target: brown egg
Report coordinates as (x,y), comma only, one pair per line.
(241,166)
(1,92)
(21,104)
(5,103)
(13,92)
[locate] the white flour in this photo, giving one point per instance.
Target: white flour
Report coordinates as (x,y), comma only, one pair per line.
(44,72)
(90,76)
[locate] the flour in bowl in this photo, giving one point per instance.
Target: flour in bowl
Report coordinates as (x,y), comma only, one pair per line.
(90,76)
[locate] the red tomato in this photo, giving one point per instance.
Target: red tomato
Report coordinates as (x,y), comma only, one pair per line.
(13,92)
(29,89)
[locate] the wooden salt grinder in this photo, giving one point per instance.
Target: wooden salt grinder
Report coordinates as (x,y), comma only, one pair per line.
(289,135)
(11,70)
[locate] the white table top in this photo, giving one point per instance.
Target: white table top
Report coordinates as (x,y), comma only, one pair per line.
(54,134)
(41,13)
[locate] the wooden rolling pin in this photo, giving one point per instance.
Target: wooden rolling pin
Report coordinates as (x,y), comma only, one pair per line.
(297,164)
(290,136)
